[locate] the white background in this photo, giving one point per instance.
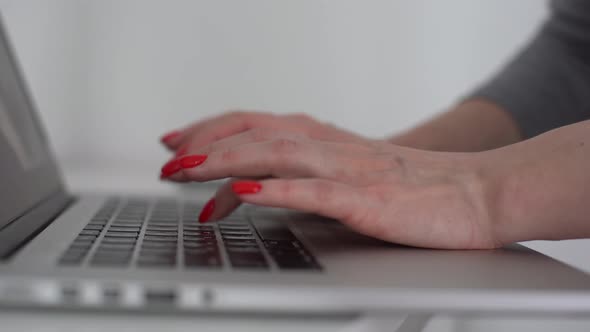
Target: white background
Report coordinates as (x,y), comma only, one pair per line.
(109,77)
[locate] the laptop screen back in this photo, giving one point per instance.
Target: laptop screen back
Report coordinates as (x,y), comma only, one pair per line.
(28,173)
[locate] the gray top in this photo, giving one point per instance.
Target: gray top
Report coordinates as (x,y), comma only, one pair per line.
(547,85)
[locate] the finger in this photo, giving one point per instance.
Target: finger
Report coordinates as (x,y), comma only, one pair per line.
(281,157)
(171,138)
(277,158)
(324,197)
(170,170)
(255,135)
(223,203)
(209,130)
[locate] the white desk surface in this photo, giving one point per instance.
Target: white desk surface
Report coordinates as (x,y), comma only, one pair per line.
(144,182)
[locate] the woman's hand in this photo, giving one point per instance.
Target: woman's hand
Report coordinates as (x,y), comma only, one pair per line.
(210,130)
(401,195)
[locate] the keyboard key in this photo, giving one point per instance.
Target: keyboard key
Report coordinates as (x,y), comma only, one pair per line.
(236,233)
(160,239)
(199,233)
(119,240)
(269,229)
(114,263)
(243,249)
(172,228)
(199,238)
(161,223)
(237,237)
(113,253)
(161,233)
(195,245)
(163,255)
(127,223)
(239,242)
(156,245)
(116,246)
(124,229)
(168,220)
(241,245)
(228,227)
(157,252)
(200,250)
(94,227)
(190,227)
(111,234)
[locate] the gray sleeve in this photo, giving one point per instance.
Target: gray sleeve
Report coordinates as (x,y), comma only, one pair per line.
(547,85)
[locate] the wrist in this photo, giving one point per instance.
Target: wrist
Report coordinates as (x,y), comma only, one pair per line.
(535,191)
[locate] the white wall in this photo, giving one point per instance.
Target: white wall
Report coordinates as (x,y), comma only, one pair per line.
(110,76)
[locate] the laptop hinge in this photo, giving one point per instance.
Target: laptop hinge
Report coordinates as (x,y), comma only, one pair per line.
(20,231)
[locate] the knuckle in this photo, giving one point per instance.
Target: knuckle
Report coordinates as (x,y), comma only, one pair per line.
(285,146)
(208,149)
(261,134)
(229,155)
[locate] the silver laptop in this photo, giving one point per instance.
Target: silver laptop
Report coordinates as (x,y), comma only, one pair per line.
(59,250)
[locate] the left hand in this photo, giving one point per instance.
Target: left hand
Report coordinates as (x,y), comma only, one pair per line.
(401,195)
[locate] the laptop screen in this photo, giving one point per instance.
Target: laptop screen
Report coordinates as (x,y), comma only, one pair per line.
(28,173)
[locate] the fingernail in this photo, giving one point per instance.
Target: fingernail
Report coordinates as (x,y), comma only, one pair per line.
(181,152)
(170,168)
(192,161)
(169,136)
(246,187)
(207,211)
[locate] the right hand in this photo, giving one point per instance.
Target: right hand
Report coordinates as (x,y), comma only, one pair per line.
(207,131)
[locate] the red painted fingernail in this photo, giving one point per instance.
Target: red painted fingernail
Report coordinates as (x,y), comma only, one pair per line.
(192,161)
(169,136)
(181,152)
(246,187)
(207,211)
(170,168)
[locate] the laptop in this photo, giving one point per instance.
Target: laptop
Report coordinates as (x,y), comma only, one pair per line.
(89,251)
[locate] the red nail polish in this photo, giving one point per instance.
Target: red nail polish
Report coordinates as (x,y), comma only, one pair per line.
(207,211)
(169,136)
(246,187)
(192,161)
(181,152)
(170,168)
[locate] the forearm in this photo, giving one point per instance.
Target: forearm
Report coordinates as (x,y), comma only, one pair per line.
(541,187)
(474,125)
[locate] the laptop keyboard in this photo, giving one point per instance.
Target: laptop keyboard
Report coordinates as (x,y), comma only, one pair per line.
(166,235)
